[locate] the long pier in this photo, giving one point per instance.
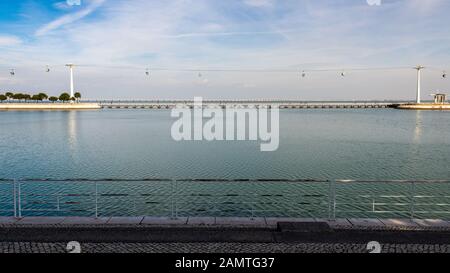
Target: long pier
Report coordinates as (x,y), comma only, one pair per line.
(245,104)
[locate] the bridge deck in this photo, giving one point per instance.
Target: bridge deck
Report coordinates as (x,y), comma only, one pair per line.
(245,105)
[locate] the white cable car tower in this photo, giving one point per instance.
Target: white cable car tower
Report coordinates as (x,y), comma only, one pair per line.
(71,66)
(419,69)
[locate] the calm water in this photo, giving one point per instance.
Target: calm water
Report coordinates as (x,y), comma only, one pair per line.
(314,144)
(136,144)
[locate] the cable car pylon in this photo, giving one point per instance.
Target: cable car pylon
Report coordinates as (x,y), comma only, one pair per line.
(419,69)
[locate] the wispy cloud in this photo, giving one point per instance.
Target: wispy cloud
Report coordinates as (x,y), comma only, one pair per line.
(70,18)
(259,3)
(242,34)
(426,7)
(234,33)
(8,40)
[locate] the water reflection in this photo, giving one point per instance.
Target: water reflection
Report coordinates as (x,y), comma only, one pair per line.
(418,128)
(72,130)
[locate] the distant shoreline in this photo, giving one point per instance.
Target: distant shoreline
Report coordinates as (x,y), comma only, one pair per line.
(49,106)
(424,106)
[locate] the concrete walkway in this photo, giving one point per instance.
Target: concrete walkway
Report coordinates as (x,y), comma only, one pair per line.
(224,235)
(263,222)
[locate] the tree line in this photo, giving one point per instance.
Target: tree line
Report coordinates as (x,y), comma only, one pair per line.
(64,97)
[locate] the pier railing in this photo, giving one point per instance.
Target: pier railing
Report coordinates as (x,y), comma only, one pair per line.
(246,198)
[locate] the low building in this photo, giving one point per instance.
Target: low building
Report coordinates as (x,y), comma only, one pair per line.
(439,98)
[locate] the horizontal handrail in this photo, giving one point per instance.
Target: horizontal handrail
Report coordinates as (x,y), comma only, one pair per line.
(221,180)
(184,196)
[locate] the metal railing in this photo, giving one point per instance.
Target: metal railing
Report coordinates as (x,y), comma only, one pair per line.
(249,198)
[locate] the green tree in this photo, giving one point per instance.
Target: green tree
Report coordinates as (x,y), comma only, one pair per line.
(27,97)
(53,99)
(36,98)
(18,96)
(43,96)
(77,96)
(64,97)
(3,98)
(9,95)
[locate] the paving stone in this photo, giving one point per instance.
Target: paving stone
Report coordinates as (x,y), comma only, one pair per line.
(307,227)
(164,221)
(40,221)
(399,223)
(85,221)
(125,220)
(232,248)
(273,221)
(359,222)
(201,221)
(336,223)
(241,221)
(432,223)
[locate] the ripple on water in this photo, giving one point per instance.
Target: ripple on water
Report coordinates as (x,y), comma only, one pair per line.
(314,144)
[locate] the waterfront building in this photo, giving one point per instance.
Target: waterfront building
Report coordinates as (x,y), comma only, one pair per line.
(439,98)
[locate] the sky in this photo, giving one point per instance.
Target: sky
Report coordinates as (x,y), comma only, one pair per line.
(182,42)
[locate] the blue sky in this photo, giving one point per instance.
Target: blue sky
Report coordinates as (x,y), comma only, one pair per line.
(114,41)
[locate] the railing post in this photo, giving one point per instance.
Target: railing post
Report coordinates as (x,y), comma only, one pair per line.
(412,194)
(15,198)
(172,197)
(252,200)
(373,203)
(134,205)
(19,198)
(332,200)
(176,199)
(329,200)
(96,199)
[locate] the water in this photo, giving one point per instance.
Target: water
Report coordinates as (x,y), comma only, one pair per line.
(360,144)
(315,144)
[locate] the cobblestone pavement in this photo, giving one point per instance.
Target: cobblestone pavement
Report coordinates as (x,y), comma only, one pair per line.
(30,247)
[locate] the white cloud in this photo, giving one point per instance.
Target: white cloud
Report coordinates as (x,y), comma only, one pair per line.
(199,34)
(7,40)
(259,3)
(62,5)
(427,6)
(70,18)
